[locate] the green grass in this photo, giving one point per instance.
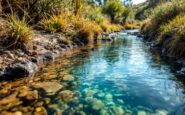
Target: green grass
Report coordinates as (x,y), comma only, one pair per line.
(176,30)
(161,15)
(167,27)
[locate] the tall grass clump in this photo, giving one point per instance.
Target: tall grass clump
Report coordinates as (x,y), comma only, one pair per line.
(20,33)
(56,23)
(87,31)
(35,10)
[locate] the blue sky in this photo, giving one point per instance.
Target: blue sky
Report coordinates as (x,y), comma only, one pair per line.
(138,1)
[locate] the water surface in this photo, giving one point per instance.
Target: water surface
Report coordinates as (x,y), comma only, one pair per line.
(122,77)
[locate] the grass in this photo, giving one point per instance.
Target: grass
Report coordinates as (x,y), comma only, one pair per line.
(54,16)
(131,26)
(176,30)
(167,27)
(56,23)
(20,33)
(108,27)
(87,31)
(162,14)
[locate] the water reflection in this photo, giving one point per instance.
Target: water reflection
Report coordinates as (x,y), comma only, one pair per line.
(123,77)
(134,76)
(117,78)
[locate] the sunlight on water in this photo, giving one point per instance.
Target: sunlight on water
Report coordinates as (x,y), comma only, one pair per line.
(124,78)
(118,78)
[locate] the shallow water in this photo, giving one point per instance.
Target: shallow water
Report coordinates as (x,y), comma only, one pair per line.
(124,77)
(119,78)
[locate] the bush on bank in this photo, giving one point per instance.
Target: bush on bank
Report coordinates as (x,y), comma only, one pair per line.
(166,27)
(85,21)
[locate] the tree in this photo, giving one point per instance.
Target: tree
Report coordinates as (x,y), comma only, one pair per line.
(113,8)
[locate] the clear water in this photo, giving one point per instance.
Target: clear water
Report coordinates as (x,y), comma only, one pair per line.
(123,77)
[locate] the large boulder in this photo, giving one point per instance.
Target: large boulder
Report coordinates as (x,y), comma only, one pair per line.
(21,69)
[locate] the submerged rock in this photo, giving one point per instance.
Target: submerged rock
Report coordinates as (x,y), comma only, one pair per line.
(89,92)
(67,96)
(28,96)
(101,95)
(95,103)
(11,113)
(104,112)
(9,102)
(68,78)
(162,112)
(108,97)
(141,113)
(49,87)
(118,110)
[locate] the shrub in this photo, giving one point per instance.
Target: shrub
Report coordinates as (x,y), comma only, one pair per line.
(113,8)
(57,23)
(35,9)
(87,31)
(174,33)
(20,33)
(95,14)
(162,15)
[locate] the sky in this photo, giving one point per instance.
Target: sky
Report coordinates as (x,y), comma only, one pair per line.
(138,1)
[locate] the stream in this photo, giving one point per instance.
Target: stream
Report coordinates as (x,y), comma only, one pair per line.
(119,78)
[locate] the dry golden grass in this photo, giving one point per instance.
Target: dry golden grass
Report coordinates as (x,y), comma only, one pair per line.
(87,31)
(131,26)
(20,33)
(57,23)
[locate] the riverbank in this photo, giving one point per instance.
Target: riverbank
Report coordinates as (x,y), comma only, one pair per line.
(36,32)
(164,29)
(17,63)
(180,61)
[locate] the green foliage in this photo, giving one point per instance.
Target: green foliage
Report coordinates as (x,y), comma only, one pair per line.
(167,27)
(176,30)
(163,14)
(95,14)
(68,17)
(114,9)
